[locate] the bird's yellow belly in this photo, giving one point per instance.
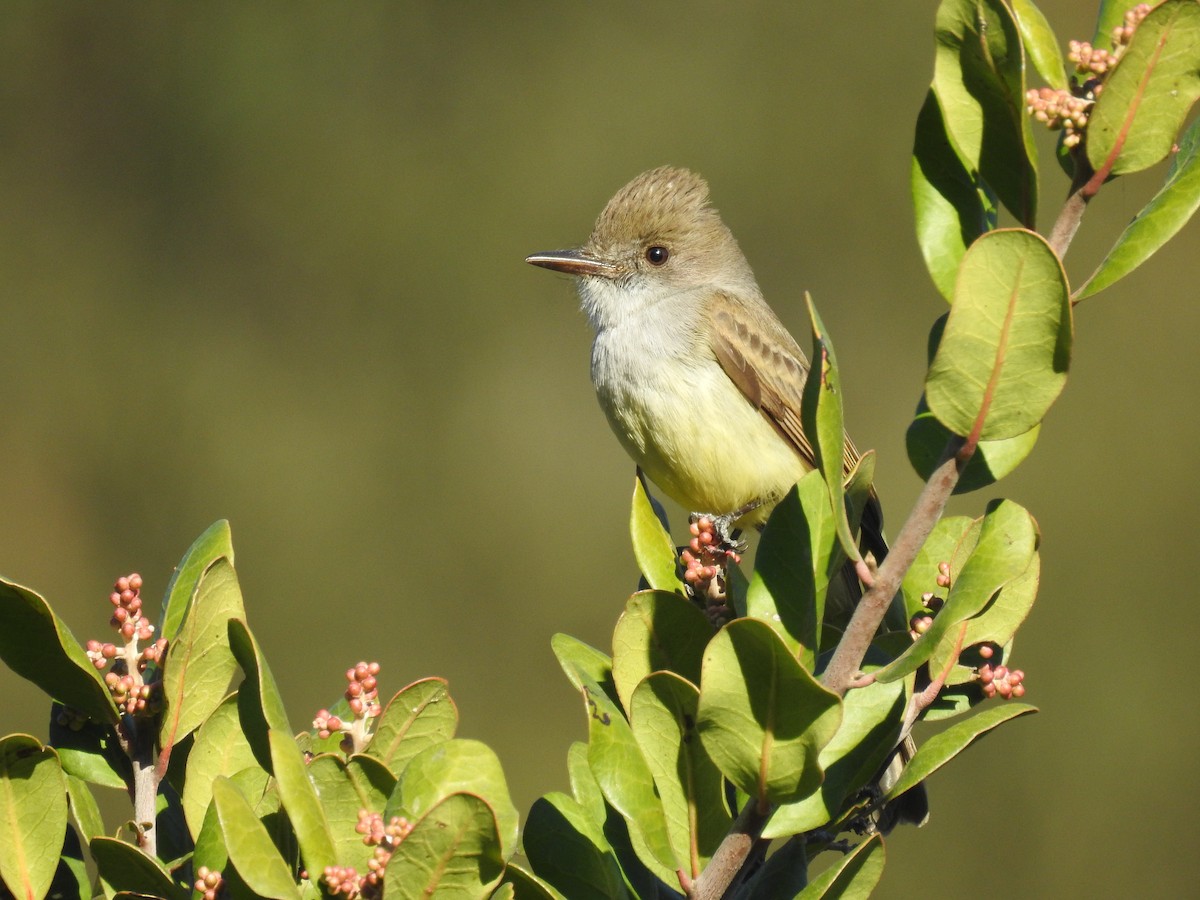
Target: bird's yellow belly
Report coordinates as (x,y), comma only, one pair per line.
(702,442)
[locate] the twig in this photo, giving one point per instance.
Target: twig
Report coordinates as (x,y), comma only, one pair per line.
(852,648)
(725,864)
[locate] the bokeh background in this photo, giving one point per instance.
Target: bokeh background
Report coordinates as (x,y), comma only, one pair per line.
(265,263)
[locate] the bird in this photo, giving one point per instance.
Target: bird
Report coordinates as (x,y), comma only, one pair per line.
(698,378)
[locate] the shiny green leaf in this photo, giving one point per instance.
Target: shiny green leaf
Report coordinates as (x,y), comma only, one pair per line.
(576,657)
(762,717)
(1041,46)
(84,810)
(527,886)
(417,717)
(1006,548)
(926,438)
(1159,221)
(854,878)
(123,867)
(249,845)
(951,207)
(979,80)
(567,847)
(33,815)
(1147,96)
(199,664)
(452,767)
(625,778)
(652,545)
(822,416)
(796,559)
(943,747)
(1004,353)
(658,632)
(871,721)
(38,646)
(89,750)
(301,803)
(663,719)
(260,705)
(452,851)
(220,748)
(216,542)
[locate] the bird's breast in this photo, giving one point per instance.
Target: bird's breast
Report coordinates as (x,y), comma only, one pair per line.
(686,424)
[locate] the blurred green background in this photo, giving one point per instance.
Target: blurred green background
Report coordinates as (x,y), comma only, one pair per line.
(265,263)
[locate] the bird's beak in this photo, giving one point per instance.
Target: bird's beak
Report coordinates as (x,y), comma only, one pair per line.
(573,262)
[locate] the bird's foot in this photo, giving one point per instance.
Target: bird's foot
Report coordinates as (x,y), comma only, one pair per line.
(723,535)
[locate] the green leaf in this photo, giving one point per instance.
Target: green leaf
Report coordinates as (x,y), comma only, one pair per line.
(763,718)
(796,558)
(452,767)
(1158,222)
(84,809)
(344,789)
(89,750)
(854,879)
(625,778)
(951,206)
(452,851)
(417,717)
(1148,94)
(658,632)
(871,722)
(199,664)
(1006,548)
(652,545)
(1001,618)
(249,845)
(1041,46)
(260,705)
(952,539)
(821,413)
(583,783)
(663,719)
(527,886)
(123,867)
(220,748)
(216,542)
(978,77)
(71,879)
(38,646)
(1003,357)
(941,748)
(33,815)
(927,437)
(577,658)
(301,803)
(567,848)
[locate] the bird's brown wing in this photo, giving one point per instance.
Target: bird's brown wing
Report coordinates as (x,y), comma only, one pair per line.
(769,368)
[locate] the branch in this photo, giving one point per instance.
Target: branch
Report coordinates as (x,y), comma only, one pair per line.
(727,862)
(847,658)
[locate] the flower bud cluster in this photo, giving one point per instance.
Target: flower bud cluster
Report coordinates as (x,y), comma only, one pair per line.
(362,696)
(126,665)
(209,884)
(1068,110)
(346,880)
(921,622)
(1000,681)
(705,560)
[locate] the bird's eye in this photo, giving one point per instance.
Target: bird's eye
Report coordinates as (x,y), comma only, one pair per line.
(657,255)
